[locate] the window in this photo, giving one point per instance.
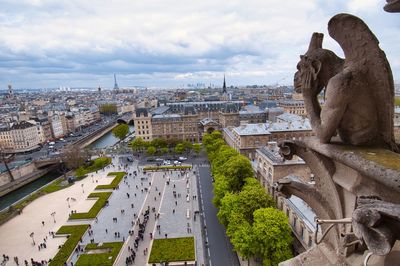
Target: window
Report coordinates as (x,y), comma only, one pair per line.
(294,222)
(302,232)
(310,242)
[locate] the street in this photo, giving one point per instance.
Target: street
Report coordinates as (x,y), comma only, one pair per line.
(221,250)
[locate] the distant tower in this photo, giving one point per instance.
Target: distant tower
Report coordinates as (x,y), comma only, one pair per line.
(224,86)
(116,88)
(99,89)
(10,91)
(225,96)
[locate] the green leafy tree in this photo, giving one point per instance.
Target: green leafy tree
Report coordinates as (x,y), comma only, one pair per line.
(138,144)
(179,149)
(221,187)
(224,154)
(197,148)
(121,131)
(230,203)
(272,237)
(171,143)
(108,109)
(188,145)
(164,150)
(235,170)
(159,143)
(252,198)
(242,238)
(151,150)
(213,147)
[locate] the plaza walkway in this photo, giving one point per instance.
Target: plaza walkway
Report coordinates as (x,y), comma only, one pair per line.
(127,205)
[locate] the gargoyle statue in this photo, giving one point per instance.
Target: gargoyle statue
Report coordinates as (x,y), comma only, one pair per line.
(377,224)
(359,90)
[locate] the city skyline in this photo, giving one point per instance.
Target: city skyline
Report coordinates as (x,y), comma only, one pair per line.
(166,44)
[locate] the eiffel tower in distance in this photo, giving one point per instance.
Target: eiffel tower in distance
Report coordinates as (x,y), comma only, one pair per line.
(116,88)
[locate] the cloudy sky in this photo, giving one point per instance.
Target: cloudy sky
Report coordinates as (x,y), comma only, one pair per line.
(164,43)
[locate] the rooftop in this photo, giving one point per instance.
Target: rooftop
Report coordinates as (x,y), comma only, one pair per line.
(252,129)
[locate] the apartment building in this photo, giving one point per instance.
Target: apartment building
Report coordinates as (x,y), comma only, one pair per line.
(249,137)
(271,167)
(20,137)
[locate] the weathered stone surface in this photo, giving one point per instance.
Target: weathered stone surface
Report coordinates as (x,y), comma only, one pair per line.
(359,89)
(392,6)
(377,224)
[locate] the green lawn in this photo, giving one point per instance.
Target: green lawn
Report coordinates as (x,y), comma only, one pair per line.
(172,249)
(97,164)
(115,182)
(100,259)
(166,167)
(92,213)
(75,233)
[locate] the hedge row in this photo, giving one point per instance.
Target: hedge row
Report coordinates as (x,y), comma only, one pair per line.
(92,213)
(172,249)
(75,233)
(115,182)
(100,259)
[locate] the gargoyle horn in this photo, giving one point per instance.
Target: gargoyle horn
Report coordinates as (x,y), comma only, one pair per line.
(316,42)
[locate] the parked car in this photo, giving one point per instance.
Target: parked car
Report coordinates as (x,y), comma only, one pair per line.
(177,162)
(167,162)
(129,159)
(182,158)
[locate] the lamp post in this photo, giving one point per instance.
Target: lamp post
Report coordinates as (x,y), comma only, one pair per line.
(53,214)
(68,202)
(31,235)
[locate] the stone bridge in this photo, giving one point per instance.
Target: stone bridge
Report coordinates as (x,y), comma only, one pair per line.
(41,163)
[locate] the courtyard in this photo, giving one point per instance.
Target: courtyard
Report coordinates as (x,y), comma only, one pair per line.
(144,206)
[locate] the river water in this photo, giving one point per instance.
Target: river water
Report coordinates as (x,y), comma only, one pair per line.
(106,140)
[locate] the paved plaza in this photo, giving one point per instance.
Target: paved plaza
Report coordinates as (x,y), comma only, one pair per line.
(170,197)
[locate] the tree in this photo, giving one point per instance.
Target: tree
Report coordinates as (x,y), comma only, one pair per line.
(158,143)
(121,131)
(272,237)
(164,150)
(211,138)
(221,187)
(252,198)
(224,154)
(235,170)
(197,148)
(214,146)
(188,145)
(108,109)
(151,150)
(242,238)
(179,149)
(74,157)
(137,144)
(229,204)
(171,143)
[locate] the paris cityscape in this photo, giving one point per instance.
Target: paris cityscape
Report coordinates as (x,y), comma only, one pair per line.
(157,134)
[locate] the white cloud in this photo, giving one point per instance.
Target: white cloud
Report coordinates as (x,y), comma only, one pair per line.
(187,40)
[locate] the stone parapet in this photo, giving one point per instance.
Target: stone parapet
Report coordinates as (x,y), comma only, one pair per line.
(344,176)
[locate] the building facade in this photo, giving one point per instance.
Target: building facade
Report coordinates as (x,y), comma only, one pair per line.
(20,137)
(249,137)
(270,167)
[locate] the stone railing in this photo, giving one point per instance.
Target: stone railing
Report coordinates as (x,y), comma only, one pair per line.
(356,197)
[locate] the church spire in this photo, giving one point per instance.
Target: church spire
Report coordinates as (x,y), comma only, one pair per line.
(224,86)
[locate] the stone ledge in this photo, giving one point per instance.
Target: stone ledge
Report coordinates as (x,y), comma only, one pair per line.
(379,164)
